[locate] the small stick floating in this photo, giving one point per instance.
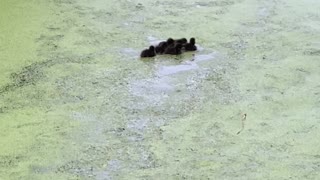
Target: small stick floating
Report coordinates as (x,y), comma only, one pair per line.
(192,57)
(242,121)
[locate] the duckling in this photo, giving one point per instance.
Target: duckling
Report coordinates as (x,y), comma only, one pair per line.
(148,52)
(191,45)
(181,41)
(173,49)
(163,45)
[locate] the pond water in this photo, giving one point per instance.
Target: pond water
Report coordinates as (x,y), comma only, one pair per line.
(77,102)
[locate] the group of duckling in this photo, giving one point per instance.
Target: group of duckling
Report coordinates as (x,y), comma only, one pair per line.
(171,46)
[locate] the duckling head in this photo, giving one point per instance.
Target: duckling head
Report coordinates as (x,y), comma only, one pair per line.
(170,41)
(192,41)
(151,48)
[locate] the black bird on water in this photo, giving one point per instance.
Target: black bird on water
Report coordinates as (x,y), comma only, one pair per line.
(163,45)
(191,45)
(173,49)
(148,52)
(180,41)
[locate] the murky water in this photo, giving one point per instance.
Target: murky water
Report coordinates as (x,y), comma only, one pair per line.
(76,102)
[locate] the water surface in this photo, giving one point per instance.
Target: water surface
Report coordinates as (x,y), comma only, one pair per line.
(76,102)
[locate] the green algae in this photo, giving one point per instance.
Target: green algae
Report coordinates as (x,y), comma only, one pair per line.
(20,24)
(77,103)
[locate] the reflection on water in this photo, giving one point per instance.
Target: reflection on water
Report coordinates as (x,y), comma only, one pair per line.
(167,70)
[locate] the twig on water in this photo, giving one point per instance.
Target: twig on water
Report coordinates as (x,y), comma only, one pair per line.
(193,56)
(242,121)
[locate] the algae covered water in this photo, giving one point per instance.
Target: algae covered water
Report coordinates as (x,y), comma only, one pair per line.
(77,102)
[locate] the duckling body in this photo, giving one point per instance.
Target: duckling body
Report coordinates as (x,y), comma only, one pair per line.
(163,45)
(173,49)
(191,45)
(148,52)
(180,41)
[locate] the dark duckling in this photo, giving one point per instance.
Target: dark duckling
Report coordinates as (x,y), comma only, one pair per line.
(148,52)
(191,45)
(163,45)
(181,41)
(173,49)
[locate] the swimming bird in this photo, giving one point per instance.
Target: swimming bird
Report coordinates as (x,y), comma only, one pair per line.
(181,41)
(148,52)
(191,45)
(173,49)
(163,45)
